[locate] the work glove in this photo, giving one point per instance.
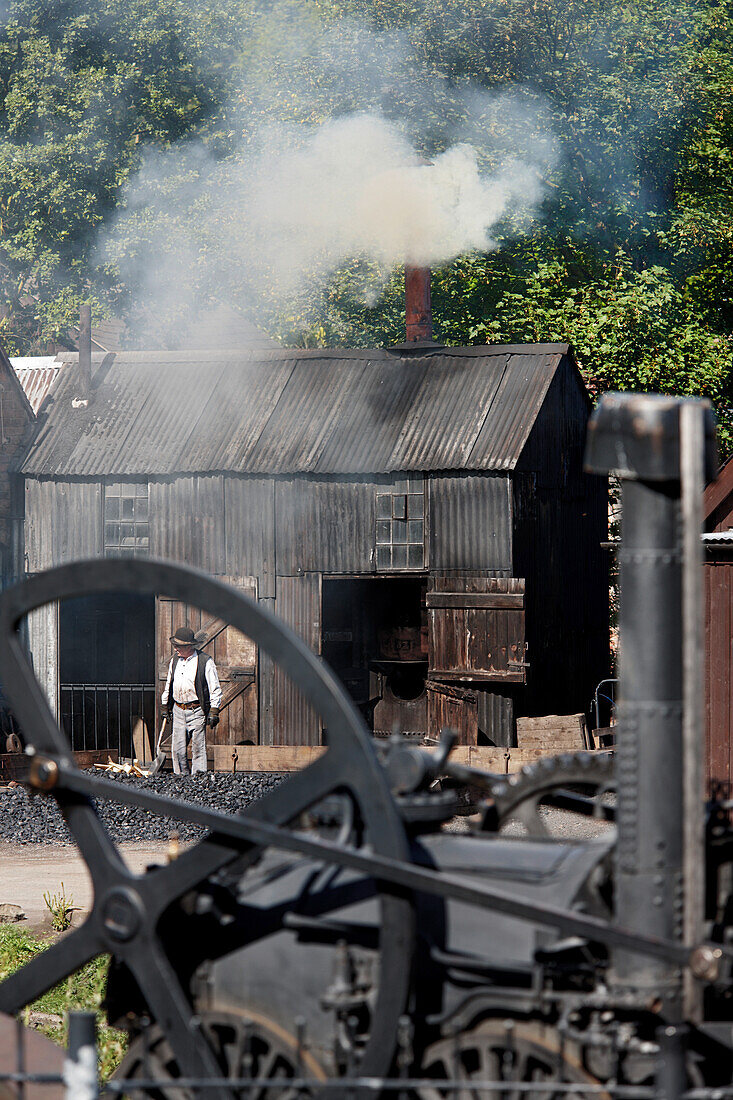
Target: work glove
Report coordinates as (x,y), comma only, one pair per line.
(166,713)
(213,717)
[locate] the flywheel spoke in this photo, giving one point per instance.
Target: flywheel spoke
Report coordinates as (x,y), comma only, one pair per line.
(44,971)
(169,1005)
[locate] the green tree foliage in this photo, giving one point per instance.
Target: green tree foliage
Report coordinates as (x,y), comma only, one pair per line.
(630,256)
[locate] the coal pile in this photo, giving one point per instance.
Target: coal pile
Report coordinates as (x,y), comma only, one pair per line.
(35,819)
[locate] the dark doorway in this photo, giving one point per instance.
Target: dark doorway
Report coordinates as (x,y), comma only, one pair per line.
(375,640)
(107,670)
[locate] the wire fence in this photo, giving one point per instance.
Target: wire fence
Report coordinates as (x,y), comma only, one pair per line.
(103,716)
(78,1080)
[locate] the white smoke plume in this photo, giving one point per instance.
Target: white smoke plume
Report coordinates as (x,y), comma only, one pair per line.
(294,201)
(356,187)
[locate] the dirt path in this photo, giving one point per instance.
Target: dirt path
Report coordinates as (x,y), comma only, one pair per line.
(27,870)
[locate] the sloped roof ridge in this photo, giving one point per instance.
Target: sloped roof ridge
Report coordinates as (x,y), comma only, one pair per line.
(294,411)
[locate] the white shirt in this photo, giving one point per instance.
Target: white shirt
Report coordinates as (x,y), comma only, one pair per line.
(184,681)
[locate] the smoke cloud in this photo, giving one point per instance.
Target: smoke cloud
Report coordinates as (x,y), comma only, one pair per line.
(268,224)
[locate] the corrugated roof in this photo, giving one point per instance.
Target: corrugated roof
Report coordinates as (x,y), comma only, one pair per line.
(322,411)
(36,374)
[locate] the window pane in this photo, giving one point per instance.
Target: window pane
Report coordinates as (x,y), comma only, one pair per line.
(384,506)
(415,557)
(399,557)
(127,531)
(384,529)
(113,489)
(414,531)
(414,506)
(111,507)
(111,533)
(400,486)
(127,507)
(384,559)
(399,530)
(141,490)
(399,507)
(141,508)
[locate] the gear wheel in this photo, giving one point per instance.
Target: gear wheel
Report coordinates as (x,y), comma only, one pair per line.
(522,797)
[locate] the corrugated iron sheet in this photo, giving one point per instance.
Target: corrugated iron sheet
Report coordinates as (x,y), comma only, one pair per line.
(325,525)
(187,522)
(470,523)
(63,522)
(299,605)
(291,411)
(249,509)
(36,375)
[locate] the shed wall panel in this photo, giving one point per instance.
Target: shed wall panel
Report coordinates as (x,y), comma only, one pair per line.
(299,605)
(63,522)
(718,590)
(249,508)
(187,521)
(560,517)
(470,523)
(325,525)
(43,643)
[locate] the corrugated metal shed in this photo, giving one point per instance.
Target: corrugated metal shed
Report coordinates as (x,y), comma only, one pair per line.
(291,411)
(36,374)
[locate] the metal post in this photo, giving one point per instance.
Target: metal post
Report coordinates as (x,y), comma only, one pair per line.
(638,438)
(671,1077)
(80,1065)
(692,476)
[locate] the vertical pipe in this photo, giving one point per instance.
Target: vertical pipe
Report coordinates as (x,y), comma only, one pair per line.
(85,351)
(692,474)
(418,309)
(638,438)
(649,733)
(80,1064)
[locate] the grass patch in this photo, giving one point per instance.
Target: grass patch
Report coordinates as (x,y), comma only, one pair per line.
(83,990)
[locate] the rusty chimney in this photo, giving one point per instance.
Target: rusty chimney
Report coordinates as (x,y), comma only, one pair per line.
(418,312)
(85,352)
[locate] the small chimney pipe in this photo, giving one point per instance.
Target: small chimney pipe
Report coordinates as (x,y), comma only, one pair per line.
(85,350)
(418,311)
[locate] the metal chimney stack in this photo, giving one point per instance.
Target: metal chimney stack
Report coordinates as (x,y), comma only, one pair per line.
(418,311)
(659,852)
(85,351)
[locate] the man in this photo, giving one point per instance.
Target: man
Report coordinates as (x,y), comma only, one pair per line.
(192,695)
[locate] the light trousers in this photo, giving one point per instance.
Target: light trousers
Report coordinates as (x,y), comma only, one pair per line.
(188,725)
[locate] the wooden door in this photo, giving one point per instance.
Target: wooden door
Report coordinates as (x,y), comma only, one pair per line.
(235,657)
(476,629)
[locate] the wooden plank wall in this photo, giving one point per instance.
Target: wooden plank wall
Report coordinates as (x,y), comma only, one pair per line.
(476,628)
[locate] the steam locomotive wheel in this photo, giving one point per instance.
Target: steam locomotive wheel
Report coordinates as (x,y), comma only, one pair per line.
(522,797)
(507,1052)
(129,910)
(253,1050)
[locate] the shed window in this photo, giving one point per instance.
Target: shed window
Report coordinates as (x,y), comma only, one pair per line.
(401,525)
(126,528)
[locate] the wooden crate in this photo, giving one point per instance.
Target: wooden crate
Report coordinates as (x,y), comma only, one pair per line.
(554,733)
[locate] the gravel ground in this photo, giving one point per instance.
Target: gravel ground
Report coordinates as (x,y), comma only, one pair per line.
(34,819)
